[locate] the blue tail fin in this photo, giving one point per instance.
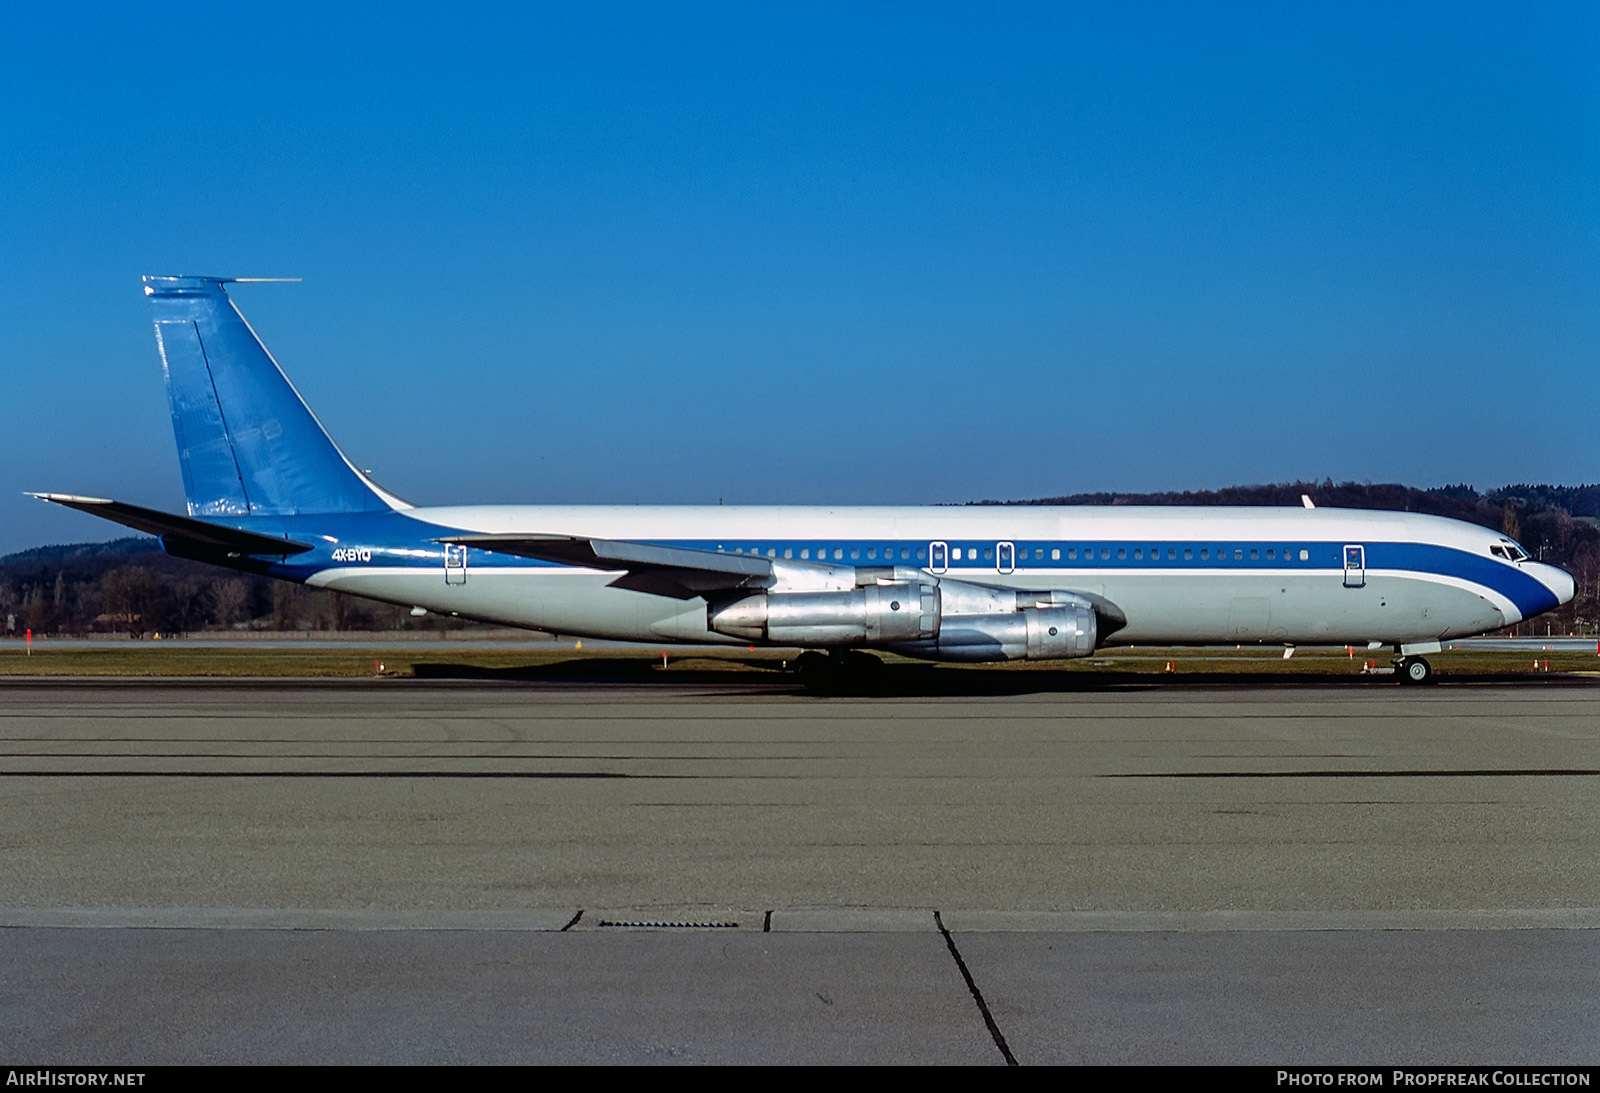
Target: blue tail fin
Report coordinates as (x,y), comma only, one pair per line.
(248,443)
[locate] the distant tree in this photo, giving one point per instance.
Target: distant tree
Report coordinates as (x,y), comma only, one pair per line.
(283,604)
(1509,524)
(132,595)
(186,603)
(229,597)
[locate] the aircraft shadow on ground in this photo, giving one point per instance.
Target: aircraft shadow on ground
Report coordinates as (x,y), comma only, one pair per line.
(928,680)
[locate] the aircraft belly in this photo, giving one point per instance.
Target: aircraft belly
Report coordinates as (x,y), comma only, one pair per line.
(556,601)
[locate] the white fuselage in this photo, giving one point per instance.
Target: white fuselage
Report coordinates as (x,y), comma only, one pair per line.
(1177,575)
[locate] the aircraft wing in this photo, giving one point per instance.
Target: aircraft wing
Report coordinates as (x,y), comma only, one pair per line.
(233,540)
(679,572)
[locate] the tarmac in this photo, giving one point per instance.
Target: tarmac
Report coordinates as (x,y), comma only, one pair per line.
(729,870)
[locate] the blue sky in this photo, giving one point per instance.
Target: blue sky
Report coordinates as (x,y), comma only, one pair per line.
(851,254)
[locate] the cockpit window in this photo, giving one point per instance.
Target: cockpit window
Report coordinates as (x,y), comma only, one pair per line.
(1508,550)
(1499,551)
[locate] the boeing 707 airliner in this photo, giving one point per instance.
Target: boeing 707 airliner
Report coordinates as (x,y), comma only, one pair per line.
(269,492)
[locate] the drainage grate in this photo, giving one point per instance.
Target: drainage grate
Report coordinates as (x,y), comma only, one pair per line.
(672,925)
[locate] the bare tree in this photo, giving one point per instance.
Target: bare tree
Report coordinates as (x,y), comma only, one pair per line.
(229,596)
(130,593)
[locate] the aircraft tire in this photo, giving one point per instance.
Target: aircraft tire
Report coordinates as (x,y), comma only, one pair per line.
(847,672)
(819,673)
(1415,670)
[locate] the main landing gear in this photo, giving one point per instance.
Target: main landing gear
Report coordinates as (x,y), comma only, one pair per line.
(1413,670)
(843,671)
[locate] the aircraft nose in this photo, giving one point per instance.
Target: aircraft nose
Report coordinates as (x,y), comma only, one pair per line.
(1558,581)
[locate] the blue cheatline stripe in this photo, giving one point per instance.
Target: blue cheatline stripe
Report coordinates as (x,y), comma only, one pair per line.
(396,539)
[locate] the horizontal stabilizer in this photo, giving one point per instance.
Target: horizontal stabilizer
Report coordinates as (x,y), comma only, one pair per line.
(679,572)
(233,540)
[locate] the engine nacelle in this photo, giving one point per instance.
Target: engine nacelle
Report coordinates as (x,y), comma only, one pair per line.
(1033,633)
(890,611)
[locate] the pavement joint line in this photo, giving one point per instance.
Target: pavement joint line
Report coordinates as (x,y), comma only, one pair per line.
(977,995)
(814,920)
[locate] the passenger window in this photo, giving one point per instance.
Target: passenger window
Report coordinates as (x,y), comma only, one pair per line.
(1172,554)
(905,554)
(1255,555)
(772,552)
(1138,555)
(1205,554)
(855,554)
(955,554)
(1121,553)
(922,553)
(1055,554)
(1238,555)
(788,552)
(838,552)
(1188,554)
(1305,555)
(988,553)
(1271,554)
(872,553)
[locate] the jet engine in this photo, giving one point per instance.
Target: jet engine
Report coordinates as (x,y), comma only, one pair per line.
(934,619)
(878,613)
(1033,633)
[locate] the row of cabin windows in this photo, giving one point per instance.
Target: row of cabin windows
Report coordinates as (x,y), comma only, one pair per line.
(1206,554)
(804,553)
(1055,553)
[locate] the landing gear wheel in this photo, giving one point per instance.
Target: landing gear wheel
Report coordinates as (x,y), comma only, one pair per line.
(847,671)
(819,673)
(1414,670)
(862,669)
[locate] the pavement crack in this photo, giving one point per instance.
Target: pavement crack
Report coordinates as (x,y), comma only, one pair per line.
(574,921)
(977,995)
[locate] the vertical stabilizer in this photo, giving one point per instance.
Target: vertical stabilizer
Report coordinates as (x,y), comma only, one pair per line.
(248,443)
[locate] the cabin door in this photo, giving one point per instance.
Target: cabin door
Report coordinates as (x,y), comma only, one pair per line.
(1355,566)
(455,563)
(938,557)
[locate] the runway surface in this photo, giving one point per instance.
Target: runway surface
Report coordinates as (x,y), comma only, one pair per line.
(734,871)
